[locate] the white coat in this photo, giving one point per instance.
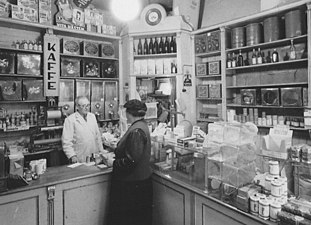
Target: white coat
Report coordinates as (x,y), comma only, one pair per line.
(81,137)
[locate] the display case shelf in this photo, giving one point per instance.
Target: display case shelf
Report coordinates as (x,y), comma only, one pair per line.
(156,75)
(208,54)
(240,68)
(21,76)
(268,85)
(213,99)
(91,78)
(88,57)
(207,76)
(23,102)
(152,56)
(265,106)
(21,50)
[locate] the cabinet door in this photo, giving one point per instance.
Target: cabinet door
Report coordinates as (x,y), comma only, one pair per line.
(171,203)
(209,212)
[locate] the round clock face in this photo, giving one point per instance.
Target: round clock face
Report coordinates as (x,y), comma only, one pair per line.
(153,17)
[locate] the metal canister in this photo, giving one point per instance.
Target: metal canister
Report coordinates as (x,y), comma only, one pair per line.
(253,33)
(238,37)
(271,29)
(293,24)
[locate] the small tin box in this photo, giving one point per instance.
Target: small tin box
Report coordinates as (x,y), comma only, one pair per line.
(107,49)
(270,96)
(33,90)
(109,69)
(200,43)
(90,48)
(213,41)
(201,69)
(7,62)
(91,68)
(291,96)
(28,64)
(248,96)
(70,67)
(71,46)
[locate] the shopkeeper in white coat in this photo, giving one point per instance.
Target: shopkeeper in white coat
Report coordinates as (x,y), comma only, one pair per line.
(81,136)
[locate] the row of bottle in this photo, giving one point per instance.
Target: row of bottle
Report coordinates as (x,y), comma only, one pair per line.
(156,46)
(258,57)
(19,120)
(27,45)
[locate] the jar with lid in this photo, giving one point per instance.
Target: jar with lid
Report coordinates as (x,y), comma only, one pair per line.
(254,204)
(275,207)
(264,210)
(268,180)
(273,167)
(276,188)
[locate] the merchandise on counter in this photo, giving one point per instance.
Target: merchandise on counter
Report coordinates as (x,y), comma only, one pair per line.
(90,48)
(7,62)
(292,219)
(29,64)
(33,90)
(70,67)
(10,90)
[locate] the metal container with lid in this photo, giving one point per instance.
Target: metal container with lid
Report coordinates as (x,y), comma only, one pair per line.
(238,37)
(272,29)
(253,34)
(293,24)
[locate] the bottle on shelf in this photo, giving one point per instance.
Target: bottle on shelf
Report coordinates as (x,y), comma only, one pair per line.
(39,46)
(161,46)
(254,57)
(233,60)
(35,45)
(155,46)
(292,50)
(240,59)
(268,57)
(150,47)
(167,46)
(139,47)
(17,44)
(246,60)
(145,47)
(172,45)
(30,45)
(229,61)
(275,56)
(259,56)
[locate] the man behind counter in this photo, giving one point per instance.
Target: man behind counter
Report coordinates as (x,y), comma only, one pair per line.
(81,136)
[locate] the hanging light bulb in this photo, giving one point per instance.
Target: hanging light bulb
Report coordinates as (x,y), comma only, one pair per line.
(125,10)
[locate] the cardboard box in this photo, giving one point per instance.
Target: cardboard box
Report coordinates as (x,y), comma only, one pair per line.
(45,12)
(30,9)
(17,12)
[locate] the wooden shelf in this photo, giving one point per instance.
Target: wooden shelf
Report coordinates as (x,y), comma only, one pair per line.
(272,44)
(39,152)
(208,54)
(156,75)
(214,99)
(292,128)
(208,76)
(209,120)
(269,85)
(90,78)
(263,106)
(26,101)
(88,57)
(268,64)
(152,56)
(20,50)
(21,75)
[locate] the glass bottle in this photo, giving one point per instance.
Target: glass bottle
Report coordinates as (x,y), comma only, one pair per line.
(292,50)
(150,47)
(268,58)
(17,45)
(145,47)
(229,61)
(275,56)
(30,45)
(35,45)
(161,46)
(233,61)
(167,46)
(259,56)
(254,57)
(156,46)
(39,46)
(240,59)
(172,49)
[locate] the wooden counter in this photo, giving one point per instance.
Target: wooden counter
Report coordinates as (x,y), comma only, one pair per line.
(61,195)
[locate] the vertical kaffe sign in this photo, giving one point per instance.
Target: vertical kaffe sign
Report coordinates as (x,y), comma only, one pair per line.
(51,65)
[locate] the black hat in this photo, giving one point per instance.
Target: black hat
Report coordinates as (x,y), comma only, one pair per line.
(135,105)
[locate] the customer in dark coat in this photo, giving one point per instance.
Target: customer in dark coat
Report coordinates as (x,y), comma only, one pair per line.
(131,187)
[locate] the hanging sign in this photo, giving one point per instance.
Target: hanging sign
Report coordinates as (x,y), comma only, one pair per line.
(187,75)
(51,65)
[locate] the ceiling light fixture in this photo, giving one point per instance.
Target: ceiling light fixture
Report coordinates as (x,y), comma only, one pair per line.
(125,10)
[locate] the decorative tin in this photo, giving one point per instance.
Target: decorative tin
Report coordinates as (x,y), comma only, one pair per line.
(70,67)
(271,29)
(71,46)
(270,96)
(7,62)
(107,49)
(28,64)
(91,68)
(33,90)
(213,68)
(213,41)
(203,91)
(248,96)
(291,96)
(201,69)
(214,90)
(10,90)
(253,34)
(293,24)
(200,43)
(238,37)
(90,48)
(109,69)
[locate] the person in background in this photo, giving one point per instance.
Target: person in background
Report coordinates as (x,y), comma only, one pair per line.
(81,136)
(131,187)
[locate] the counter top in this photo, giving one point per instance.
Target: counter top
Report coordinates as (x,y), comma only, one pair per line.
(60,174)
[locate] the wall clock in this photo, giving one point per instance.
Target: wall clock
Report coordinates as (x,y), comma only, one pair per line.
(153,14)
